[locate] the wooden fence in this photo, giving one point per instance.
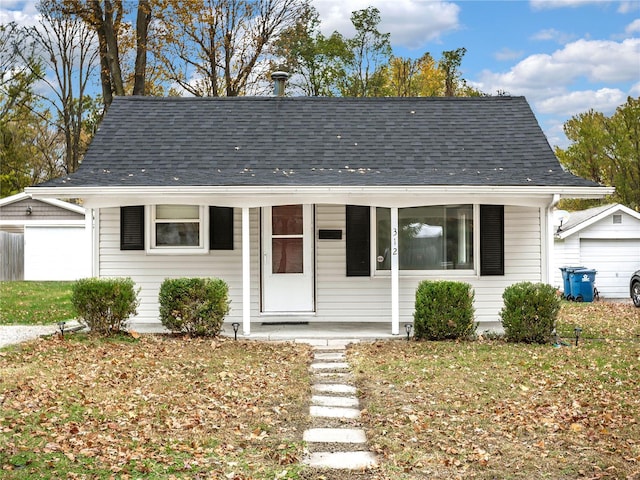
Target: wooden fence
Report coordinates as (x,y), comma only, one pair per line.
(11,256)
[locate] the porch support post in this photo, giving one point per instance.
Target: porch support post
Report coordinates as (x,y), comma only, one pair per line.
(246,273)
(90,239)
(395,278)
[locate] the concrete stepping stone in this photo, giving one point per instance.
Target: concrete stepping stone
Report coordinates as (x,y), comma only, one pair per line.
(329,401)
(334,388)
(328,348)
(332,374)
(330,366)
(326,356)
(341,460)
(334,435)
(333,412)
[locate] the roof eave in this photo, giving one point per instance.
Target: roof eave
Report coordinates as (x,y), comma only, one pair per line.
(255,196)
(596,218)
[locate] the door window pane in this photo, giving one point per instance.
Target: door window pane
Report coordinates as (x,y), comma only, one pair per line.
(286,255)
(286,220)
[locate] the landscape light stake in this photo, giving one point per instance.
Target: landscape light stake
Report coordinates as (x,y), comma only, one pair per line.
(577,330)
(408,327)
(61,327)
(235,326)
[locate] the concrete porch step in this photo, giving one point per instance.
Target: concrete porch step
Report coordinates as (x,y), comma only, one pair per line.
(329,356)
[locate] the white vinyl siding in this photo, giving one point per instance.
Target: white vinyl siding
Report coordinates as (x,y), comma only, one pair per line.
(338,298)
(149,271)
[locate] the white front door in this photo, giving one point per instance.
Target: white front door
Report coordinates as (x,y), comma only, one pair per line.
(287,268)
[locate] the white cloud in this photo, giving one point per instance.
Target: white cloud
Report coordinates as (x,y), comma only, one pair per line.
(553,35)
(541,75)
(552,4)
(605,100)
(19,11)
(506,54)
(412,23)
(633,27)
(628,6)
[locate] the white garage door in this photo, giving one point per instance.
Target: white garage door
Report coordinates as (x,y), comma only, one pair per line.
(56,253)
(614,260)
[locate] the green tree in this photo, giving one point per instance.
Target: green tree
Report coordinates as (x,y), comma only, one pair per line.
(316,62)
(371,50)
(450,64)
(23,129)
(606,150)
(20,67)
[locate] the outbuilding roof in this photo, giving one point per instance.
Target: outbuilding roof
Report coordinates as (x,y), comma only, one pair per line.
(319,141)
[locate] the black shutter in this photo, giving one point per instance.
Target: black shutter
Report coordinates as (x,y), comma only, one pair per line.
(491,240)
(132,228)
(221,228)
(358,241)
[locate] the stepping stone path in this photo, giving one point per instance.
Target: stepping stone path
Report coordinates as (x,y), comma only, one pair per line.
(334,440)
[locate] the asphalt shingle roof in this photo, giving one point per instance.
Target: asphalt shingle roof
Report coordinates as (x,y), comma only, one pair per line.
(150,141)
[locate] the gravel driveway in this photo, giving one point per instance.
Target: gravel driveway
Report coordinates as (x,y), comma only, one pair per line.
(11,334)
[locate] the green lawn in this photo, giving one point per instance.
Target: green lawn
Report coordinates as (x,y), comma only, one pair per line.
(35,303)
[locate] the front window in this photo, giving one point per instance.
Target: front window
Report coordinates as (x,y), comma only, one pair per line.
(430,238)
(177,227)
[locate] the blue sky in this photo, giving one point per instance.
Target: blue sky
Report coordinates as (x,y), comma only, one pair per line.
(564,56)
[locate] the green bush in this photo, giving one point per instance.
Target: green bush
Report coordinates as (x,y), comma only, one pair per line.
(530,312)
(196,306)
(444,310)
(104,304)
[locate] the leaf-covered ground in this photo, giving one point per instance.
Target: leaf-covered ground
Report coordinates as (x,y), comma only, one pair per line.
(611,320)
(156,407)
(488,409)
(164,407)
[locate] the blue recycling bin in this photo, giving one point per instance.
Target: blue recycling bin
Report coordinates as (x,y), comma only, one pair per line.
(582,283)
(566,271)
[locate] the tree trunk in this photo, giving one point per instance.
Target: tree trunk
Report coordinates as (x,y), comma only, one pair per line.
(113,55)
(142,26)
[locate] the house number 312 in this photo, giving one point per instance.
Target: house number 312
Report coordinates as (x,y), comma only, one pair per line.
(394,250)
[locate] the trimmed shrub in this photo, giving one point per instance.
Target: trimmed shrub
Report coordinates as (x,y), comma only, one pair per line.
(444,310)
(105,304)
(530,312)
(196,306)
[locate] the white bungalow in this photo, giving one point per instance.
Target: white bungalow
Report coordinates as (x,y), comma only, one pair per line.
(322,209)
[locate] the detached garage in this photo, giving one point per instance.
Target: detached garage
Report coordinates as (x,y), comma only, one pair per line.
(56,245)
(606,239)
